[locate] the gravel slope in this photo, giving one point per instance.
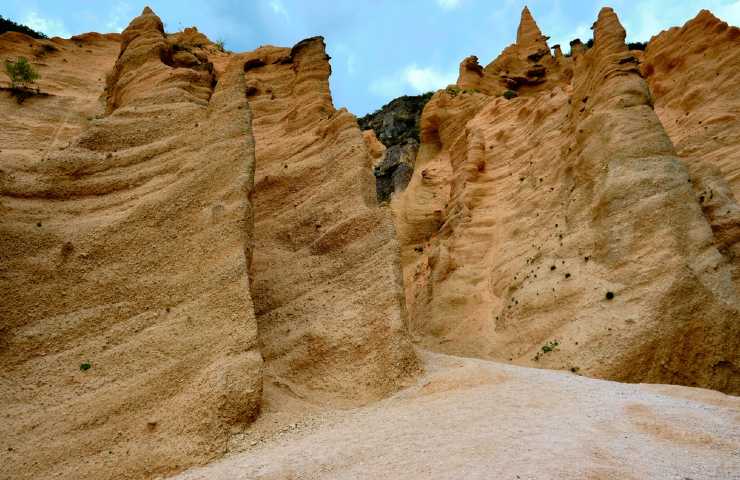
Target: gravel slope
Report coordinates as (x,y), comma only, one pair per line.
(468,418)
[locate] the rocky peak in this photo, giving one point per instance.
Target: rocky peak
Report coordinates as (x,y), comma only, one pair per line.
(609,34)
(471,73)
(148,23)
(528,33)
(524,66)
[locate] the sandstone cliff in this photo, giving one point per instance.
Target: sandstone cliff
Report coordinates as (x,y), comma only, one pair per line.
(194,260)
(125,245)
(689,70)
(327,286)
(128,252)
(560,228)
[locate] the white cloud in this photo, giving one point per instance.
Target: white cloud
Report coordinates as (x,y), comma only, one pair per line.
(346,53)
(413,79)
(729,12)
(449,4)
(425,79)
(278,8)
(582,32)
(119,17)
(48,26)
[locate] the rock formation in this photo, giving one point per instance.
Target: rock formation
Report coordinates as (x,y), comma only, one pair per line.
(125,245)
(534,230)
(525,66)
(195,258)
(327,286)
(688,70)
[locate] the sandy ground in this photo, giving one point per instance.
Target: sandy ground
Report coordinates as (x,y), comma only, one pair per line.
(471,419)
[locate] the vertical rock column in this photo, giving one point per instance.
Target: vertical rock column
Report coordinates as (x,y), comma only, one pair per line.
(125,289)
(327,285)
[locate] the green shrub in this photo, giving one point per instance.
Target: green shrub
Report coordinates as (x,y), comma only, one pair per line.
(549,346)
(546,348)
(220,45)
(509,94)
(21,73)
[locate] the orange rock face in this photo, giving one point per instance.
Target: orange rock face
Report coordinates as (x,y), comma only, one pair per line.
(192,255)
(327,286)
(689,70)
(525,66)
(561,229)
(127,247)
(125,242)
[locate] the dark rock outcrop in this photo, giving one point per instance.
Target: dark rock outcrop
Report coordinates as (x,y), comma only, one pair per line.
(398,121)
(394,172)
(396,125)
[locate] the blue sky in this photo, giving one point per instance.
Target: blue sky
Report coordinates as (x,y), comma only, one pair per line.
(380,49)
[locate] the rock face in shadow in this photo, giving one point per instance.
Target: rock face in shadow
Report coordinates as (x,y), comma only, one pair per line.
(397,122)
(561,229)
(327,286)
(129,342)
(394,171)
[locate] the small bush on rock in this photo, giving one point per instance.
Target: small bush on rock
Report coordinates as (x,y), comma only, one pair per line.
(21,75)
(21,72)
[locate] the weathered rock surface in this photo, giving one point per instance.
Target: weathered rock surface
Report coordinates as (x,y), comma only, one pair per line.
(327,286)
(689,70)
(193,260)
(394,171)
(525,66)
(560,229)
(124,247)
(397,122)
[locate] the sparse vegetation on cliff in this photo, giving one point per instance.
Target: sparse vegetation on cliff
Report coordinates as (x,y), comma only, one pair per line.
(20,72)
(22,75)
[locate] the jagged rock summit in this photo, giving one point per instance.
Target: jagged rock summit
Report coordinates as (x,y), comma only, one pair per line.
(201,255)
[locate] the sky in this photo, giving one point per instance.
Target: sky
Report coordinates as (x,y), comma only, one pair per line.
(380,49)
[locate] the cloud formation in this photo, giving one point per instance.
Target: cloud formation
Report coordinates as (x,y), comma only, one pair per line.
(48,26)
(449,4)
(413,79)
(279,9)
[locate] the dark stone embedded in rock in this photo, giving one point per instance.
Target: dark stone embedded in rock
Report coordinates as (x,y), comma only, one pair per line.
(396,125)
(394,172)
